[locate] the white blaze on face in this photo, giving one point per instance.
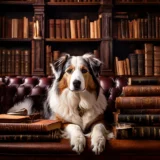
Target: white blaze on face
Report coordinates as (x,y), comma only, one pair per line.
(77,63)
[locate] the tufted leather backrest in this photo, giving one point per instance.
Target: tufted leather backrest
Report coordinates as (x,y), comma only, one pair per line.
(14,89)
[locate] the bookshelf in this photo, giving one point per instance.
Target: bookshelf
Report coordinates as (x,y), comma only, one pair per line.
(39,13)
(135,25)
(108,42)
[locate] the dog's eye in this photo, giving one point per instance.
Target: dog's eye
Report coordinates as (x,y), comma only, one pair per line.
(83,70)
(69,71)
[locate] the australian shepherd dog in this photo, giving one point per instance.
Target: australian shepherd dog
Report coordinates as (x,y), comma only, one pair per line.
(77,99)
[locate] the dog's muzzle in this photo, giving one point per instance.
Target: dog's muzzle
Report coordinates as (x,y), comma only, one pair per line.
(77,84)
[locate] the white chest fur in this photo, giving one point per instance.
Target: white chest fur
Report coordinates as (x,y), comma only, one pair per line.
(66,106)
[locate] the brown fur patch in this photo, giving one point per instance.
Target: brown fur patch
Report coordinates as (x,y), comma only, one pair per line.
(90,84)
(62,84)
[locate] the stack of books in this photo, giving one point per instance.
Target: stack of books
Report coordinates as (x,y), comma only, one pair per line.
(138,109)
(23,128)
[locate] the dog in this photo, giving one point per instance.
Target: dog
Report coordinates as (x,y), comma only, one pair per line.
(77,99)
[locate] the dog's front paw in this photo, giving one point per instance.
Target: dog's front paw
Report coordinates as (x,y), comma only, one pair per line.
(78,143)
(98,144)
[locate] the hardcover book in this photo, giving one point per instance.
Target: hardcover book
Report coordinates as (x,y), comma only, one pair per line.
(152,102)
(141,90)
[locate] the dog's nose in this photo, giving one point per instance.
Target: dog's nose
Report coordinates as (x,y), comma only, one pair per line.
(76,84)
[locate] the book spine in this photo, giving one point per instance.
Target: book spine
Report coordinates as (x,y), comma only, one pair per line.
(147,90)
(54,135)
(138,102)
(139,133)
(143,81)
(140,111)
(146,119)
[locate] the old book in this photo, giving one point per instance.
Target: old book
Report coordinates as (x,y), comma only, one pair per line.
(73,28)
(148,47)
(78,28)
(56,55)
(51,28)
(27,62)
(51,136)
(22,62)
(8,61)
(140,61)
(141,90)
(17,62)
(25,27)
(58,28)
(143,80)
(86,26)
(139,111)
(138,132)
(68,31)
(138,102)
(156,60)
(3,66)
(133,64)
(92,31)
(23,124)
(82,28)
(7,118)
(63,29)
(48,59)
(140,119)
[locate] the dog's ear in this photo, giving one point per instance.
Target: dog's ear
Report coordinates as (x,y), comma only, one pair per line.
(57,66)
(94,63)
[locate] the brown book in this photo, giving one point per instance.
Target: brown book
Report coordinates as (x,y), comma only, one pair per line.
(133,64)
(86,26)
(73,28)
(8,61)
(138,132)
(13,62)
(58,28)
(7,118)
(140,90)
(138,102)
(156,60)
(48,59)
(25,27)
(139,119)
(27,62)
(51,28)
(51,136)
(139,111)
(78,28)
(22,62)
(148,47)
(13,124)
(96,53)
(68,31)
(82,28)
(143,80)
(63,29)
(92,30)
(20,28)
(140,61)
(17,62)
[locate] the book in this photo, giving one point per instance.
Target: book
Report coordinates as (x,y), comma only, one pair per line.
(8,118)
(139,111)
(36,126)
(139,119)
(156,60)
(138,132)
(141,90)
(51,136)
(152,102)
(143,80)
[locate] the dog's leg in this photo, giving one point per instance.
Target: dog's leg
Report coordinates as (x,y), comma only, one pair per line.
(99,135)
(77,139)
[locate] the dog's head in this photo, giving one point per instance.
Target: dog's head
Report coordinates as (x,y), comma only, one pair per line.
(77,73)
